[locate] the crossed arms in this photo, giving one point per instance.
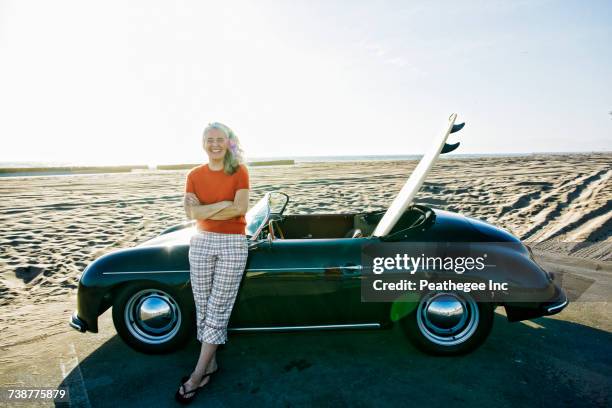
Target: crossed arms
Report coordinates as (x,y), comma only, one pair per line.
(222,210)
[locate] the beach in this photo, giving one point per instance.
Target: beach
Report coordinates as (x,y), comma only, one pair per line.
(53,226)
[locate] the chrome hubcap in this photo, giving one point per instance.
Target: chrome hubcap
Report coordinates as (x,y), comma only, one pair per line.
(447,318)
(152,316)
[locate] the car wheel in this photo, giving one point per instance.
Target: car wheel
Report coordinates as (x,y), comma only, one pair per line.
(152,318)
(448,323)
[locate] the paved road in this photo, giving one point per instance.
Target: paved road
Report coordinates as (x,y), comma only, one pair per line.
(547,361)
(564,360)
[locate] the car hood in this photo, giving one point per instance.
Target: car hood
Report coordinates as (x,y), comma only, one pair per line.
(448,226)
(490,232)
(179,237)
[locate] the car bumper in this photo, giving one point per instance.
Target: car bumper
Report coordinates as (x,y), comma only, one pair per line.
(518,311)
(556,305)
(76,323)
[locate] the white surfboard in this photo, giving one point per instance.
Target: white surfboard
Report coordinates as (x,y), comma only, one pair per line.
(406,195)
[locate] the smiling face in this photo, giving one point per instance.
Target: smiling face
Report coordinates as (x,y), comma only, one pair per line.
(215,144)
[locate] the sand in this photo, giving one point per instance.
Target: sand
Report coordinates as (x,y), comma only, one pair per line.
(54,226)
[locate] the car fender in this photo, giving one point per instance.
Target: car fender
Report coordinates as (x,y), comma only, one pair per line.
(106,276)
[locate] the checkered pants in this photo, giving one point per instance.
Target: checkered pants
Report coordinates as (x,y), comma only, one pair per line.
(217,262)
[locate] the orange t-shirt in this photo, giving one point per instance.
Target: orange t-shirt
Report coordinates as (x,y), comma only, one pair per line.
(211,186)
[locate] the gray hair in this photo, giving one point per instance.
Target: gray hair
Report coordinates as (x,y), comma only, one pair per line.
(234,156)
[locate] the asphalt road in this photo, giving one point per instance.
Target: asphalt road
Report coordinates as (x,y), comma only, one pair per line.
(548,361)
(563,360)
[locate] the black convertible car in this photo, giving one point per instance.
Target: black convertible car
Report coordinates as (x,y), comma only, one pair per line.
(306,272)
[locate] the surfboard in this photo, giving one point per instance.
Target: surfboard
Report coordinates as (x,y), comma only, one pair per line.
(405,197)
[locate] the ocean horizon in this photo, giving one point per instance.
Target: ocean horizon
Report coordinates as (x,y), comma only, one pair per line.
(296,159)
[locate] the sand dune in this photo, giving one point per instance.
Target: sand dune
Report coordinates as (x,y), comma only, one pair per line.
(54,226)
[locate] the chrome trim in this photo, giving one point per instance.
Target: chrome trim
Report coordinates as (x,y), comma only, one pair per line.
(557,307)
(300,328)
(137,322)
(355,267)
(76,323)
(127,272)
(438,330)
(154,312)
(445,314)
(76,326)
(352,267)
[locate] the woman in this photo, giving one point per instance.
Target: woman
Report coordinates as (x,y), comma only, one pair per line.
(217,196)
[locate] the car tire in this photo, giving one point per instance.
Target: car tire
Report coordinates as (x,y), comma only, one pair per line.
(448,323)
(152,318)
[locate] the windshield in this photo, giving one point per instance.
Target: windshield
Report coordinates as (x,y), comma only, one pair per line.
(258,215)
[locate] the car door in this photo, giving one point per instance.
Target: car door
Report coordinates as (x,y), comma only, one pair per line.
(297,282)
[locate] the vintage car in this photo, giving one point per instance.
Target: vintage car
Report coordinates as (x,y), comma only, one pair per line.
(305,272)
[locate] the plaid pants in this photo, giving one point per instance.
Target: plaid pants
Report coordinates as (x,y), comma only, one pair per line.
(217,263)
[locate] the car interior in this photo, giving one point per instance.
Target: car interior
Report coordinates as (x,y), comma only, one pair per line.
(318,226)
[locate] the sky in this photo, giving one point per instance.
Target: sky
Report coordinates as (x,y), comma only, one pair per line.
(136,82)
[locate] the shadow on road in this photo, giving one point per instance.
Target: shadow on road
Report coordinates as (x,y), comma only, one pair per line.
(543,362)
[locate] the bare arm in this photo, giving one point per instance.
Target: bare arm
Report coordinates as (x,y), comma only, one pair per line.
(189,200)
(196,211)
(239,206)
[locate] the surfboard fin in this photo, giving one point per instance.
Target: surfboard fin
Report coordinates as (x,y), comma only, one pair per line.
(457,127)
(449,147)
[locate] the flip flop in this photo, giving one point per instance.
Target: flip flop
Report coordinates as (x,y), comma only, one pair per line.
(183,398)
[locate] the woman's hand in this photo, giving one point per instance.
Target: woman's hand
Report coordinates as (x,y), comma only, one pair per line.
(189,201)
(238,207)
